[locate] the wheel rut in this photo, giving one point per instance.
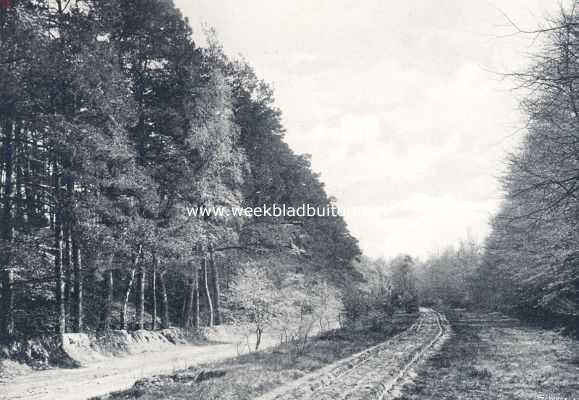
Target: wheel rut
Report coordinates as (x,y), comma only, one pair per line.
(376,373)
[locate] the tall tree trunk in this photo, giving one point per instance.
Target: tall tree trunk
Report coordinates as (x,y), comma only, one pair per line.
(7,306)
(186,298)
(109,297)
(31,212)
(188,305)
(68,271)
(207,292)
(7,277)
(58,172)
(154,294)
(49,208)
(191,307)
(126,296)
(227,275)
(68,227)
(195,294)
(78,285)
(58,262)
(140,303)
(7,184)
(164,302)
(128,288)
(214,286)
(19,156)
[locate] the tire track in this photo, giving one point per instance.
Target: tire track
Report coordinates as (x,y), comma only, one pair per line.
(374,373)
(390,391)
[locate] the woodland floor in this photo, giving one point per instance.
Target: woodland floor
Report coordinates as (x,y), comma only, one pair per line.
(489,356)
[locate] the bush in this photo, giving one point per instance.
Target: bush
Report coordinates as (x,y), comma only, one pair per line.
(366,309)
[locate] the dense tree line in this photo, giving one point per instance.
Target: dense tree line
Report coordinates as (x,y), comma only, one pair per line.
(529,263)
(112,121)
(531,257)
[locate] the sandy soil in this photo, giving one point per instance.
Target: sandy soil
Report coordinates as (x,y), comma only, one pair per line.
(114,374)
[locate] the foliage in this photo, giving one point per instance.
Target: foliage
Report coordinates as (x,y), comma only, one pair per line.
(404,293)
(257,299)
(112,121)
(530,260)
(450,278)
(370,303)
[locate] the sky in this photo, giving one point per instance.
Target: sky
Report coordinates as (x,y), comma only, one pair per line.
(403,105)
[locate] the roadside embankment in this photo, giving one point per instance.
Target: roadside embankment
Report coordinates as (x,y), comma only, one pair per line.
(73,350)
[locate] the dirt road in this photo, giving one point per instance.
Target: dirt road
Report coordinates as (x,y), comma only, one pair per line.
(113,374)
(375,373)
(370,374)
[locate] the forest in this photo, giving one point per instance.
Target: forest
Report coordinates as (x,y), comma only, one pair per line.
(113,122)
(120,125)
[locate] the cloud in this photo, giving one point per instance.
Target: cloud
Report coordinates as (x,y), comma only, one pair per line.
(424,149)
(399,103)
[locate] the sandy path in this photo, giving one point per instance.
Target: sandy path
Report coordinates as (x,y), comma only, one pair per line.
(113,374)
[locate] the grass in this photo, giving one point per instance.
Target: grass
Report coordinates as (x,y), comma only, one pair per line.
(253,374)
(489,357)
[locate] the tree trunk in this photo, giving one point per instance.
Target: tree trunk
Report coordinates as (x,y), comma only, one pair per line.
(140,303)
(164,302)
(31,213)
(126,296)
(7,277)
(68,272)
(214,286)
(154,294)
(128,289)
(258,333)
(188,305)
(195,294)
(191,308)
(78,287)
(109,297)
(7,307)
(186,297)
(59,271)
(207,292)
(19,156)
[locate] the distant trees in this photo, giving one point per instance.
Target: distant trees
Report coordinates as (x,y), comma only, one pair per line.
(451,277)
(404,293)
(384,288)
(112,121)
